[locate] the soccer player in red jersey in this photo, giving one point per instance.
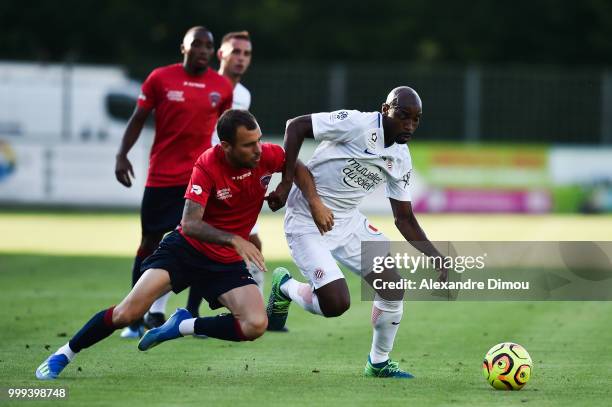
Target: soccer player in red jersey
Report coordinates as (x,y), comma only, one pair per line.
(187,98)
(209,250)
(234,55)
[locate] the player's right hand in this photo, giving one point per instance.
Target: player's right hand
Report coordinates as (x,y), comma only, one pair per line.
(278,198)
(323,216)
(248,252)
(123,170)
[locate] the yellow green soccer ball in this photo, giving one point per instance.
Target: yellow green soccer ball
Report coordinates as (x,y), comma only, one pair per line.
(507,366)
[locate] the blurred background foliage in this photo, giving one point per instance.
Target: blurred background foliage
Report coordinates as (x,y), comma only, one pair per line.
(142,34)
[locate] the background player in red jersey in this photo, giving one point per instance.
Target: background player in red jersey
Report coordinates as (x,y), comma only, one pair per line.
(188,98)
(209,250)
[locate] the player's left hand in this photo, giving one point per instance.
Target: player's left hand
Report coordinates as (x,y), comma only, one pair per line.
(277,198)
(248,252)
(323,216)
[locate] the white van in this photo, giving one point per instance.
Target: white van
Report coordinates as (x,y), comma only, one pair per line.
(60,128)
(65,103)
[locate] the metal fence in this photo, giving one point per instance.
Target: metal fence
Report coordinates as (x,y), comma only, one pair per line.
(486,104)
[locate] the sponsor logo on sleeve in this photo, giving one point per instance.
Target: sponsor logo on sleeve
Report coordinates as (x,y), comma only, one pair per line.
(196,189)
(341,115)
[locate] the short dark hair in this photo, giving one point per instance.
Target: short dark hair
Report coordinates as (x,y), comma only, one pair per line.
(229,122)
(239,35)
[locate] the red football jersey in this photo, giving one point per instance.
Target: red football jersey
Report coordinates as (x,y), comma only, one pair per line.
(186,112)
(232,197)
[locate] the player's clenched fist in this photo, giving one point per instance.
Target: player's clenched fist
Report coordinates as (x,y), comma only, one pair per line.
(277,198)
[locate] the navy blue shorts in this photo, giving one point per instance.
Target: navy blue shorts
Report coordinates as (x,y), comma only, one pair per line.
(190,268)
(162,208)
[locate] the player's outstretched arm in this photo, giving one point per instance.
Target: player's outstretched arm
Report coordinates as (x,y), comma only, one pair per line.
(409,227)
(296,131)
(321,214)
(123,167)
(194,227)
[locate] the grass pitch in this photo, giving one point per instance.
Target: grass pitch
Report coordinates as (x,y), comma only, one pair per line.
(54,277)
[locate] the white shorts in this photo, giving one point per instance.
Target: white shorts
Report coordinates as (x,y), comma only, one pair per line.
(316,255)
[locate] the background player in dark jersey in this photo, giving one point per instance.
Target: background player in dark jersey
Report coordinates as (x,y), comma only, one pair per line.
(188,98)
(209,250)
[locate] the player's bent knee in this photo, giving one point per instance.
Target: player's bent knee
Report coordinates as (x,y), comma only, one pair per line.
(124,316)
(336,308)
(255,326)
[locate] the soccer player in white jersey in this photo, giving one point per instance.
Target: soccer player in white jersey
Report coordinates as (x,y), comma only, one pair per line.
(357,153)
(234,55)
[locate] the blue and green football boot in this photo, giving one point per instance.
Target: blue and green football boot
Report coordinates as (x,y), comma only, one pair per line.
(385,369)
(278,303)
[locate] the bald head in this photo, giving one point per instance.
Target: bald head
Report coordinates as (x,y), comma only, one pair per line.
(403,96)
(194,32)
(197,49)
(401,115)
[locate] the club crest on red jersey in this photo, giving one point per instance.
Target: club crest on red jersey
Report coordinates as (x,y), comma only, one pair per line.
(214,98)
(265,180)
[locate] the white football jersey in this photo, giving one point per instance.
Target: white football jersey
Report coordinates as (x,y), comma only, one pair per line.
(350,162)
(241,100)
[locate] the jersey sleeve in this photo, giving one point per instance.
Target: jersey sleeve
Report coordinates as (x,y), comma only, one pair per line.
(200,185)
(340,126)
(148,93)
(277,157)
(399,189)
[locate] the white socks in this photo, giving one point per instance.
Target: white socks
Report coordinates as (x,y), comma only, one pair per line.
(187,326)
(65,350)
(302,294)
(386,316)
(160,304)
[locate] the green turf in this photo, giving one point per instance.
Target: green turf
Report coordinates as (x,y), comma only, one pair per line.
(45,299)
